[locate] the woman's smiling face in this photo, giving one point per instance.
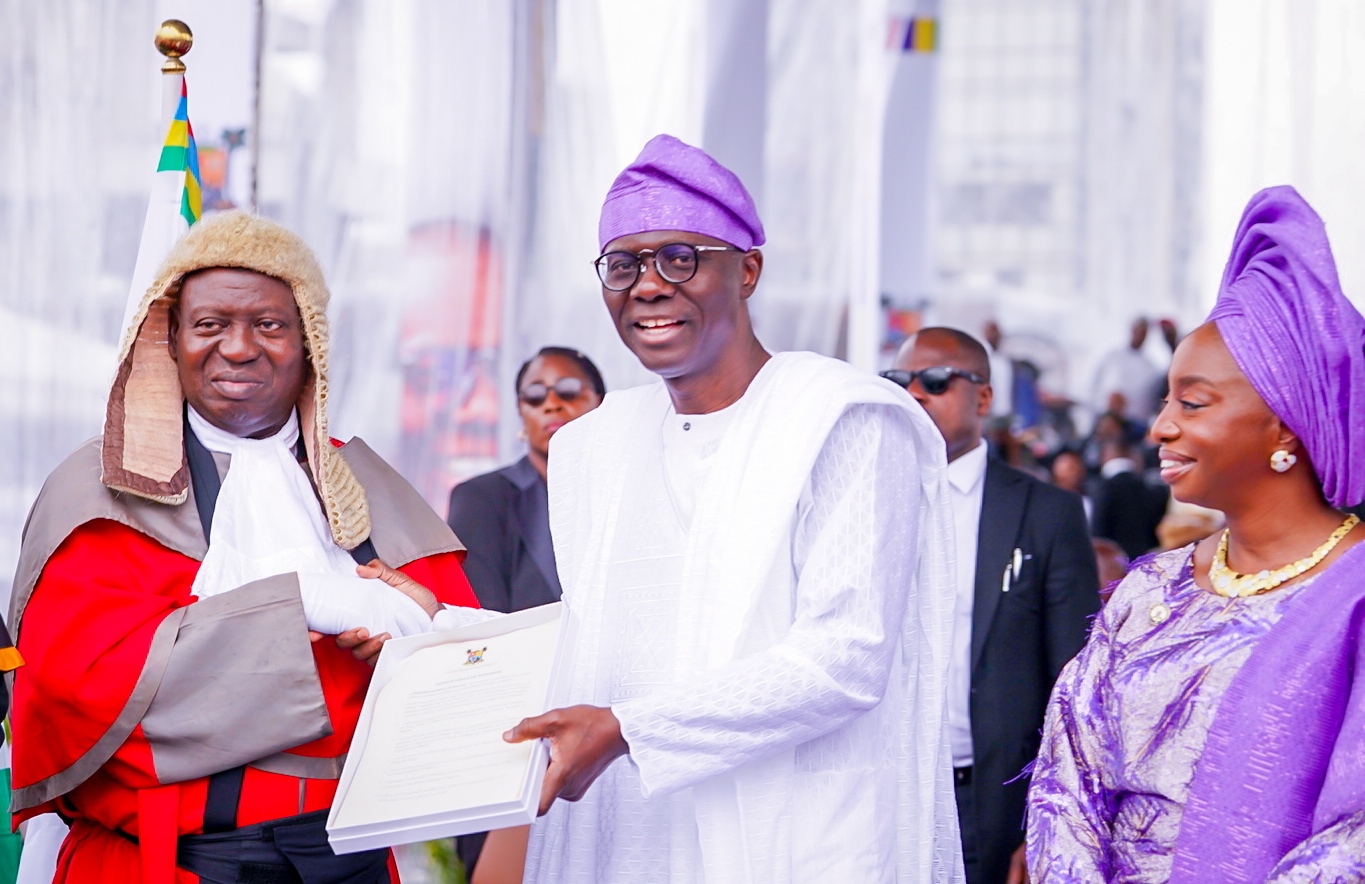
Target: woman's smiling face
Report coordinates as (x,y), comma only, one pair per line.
(1216,433)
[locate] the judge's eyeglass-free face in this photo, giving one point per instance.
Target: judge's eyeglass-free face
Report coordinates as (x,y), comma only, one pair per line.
(237,340)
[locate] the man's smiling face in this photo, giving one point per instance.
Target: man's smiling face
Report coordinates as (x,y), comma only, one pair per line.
(680,330)
(237,341)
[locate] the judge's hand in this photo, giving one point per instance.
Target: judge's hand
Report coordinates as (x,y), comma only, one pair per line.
(583,741)
(1018,871)
(376,569)
(359,642)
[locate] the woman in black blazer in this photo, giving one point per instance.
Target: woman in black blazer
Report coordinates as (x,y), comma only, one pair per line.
(503,517)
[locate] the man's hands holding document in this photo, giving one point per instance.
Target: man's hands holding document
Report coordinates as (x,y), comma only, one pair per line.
(584,740)
(429,757)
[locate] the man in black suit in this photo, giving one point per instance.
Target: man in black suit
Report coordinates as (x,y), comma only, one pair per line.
(1027,586)
(503,517)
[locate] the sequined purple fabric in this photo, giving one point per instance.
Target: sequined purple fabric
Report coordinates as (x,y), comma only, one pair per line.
(675,186)
(1129,724)
(1285,758)
(1297,338)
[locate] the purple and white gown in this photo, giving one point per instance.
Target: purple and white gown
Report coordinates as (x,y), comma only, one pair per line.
(1127,725)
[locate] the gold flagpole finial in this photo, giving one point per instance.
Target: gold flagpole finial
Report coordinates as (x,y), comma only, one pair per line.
(173,39)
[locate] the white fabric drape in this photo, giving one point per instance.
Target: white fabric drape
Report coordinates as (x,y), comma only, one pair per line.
(447,161)
(1284,87)
(793,720)
(1068,174)
(267,520)
(78,122)
(388,142)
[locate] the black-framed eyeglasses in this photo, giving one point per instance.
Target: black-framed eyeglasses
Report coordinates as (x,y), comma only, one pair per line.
(934,380)
(676,262)
(567,389)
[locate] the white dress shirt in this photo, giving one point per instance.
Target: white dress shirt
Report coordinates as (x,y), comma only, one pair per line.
(1116,465)
(966,480)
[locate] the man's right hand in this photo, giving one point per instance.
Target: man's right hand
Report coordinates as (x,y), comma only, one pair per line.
(1018,871)
(358,642)
(362,645)
(584,740)
(334,604)
(375,569)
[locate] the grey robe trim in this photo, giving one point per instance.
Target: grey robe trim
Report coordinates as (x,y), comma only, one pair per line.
(302,766)
(72,496)
(241,683)
(158,656)
(405,528)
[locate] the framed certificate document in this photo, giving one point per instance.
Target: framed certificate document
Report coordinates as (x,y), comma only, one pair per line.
(428,759)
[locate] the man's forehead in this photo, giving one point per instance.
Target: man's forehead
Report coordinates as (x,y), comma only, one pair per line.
(925,350)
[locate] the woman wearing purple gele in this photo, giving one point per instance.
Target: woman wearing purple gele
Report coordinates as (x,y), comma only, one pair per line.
(1213,728)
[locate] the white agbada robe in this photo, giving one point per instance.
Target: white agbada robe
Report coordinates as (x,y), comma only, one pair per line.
(777,656)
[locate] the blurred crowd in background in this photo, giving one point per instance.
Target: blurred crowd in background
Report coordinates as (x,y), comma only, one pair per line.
(1098,448)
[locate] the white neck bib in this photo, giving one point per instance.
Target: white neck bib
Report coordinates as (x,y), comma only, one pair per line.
(268,519)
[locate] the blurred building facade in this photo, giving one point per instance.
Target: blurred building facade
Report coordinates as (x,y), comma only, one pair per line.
(1068,164)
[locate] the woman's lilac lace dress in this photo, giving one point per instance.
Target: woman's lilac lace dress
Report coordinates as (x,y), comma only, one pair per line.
(1126,726)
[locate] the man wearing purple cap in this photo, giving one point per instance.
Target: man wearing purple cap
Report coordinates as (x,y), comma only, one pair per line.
(754,552)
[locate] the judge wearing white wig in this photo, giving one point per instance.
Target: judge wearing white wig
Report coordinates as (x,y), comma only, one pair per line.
(754,550)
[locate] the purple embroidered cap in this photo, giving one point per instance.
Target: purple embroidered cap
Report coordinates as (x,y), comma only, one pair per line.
(675,186)
(1296,337)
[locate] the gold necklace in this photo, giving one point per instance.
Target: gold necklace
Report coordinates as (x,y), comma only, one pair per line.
(1229,583)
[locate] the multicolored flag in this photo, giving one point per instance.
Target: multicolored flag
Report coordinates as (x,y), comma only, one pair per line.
(176,202)
(912,34)
(180,155)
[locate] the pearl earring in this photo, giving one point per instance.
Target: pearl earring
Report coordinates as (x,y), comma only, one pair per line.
(1282,460)
(521,437)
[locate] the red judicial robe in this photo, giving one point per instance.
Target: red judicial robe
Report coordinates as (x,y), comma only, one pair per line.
(135,691)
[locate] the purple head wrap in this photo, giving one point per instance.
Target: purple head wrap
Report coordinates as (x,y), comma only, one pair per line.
(1298,340)
(675,186)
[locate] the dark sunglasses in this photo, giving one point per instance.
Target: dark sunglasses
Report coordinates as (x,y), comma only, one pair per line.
(933,381)
(535,394)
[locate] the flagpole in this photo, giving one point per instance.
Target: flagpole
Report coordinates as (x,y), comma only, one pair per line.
(254,145)
(173,39)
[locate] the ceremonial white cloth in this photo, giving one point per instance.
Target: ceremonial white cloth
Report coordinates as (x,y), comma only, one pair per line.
(268,521)
(779,665)
(43,837)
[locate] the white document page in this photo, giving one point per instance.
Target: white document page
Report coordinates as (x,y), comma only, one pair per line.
(435,741)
